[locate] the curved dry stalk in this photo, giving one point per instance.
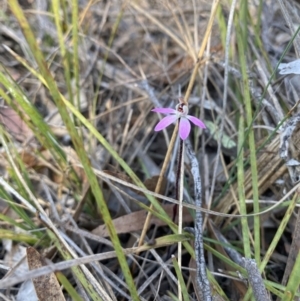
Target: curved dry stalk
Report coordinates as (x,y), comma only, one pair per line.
(159,182)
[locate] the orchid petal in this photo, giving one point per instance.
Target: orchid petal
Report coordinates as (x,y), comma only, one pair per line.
(166,121)
(164,110)
(196,121)
(184,128)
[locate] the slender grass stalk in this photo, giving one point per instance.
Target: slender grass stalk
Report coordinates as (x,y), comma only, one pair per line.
(222,25)
(63,51)
(75,39)
(225,92)
(181,282)
(241,192)
(242,29)
(68,286)
(293,283)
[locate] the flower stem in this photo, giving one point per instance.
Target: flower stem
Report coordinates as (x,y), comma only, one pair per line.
(177,180)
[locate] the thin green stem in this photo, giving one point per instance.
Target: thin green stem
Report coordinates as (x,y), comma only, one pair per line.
(241,26)
(241,191)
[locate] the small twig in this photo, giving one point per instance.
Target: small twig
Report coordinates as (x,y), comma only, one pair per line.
(202,280)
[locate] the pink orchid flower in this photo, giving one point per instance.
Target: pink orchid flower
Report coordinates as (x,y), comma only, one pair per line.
(181,113)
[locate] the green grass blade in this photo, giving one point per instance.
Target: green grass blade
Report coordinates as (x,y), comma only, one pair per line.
(75,49)
(20,211)
(241,25)
(280,231)
(241,192)
(68,286)
(180,279)
(64,53)
(21,237)
(293,283)
(13,222)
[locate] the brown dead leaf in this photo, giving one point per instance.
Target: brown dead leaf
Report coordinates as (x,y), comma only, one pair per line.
(47,287)
(13,123)
(135,221)
(29,158)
